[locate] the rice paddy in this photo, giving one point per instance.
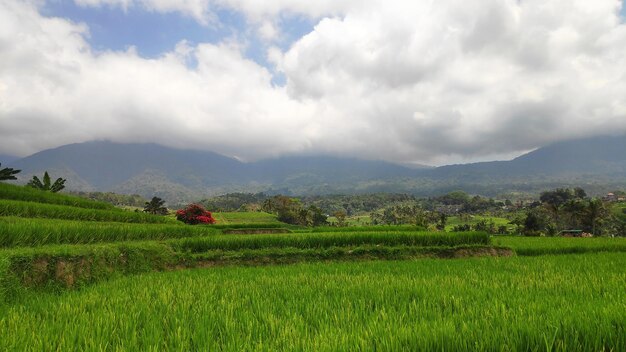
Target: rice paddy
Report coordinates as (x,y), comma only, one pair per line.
(553,303)
(87,276)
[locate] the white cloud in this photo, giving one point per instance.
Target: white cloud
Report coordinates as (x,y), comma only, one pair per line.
(57,91)
(201,10)
(428,81)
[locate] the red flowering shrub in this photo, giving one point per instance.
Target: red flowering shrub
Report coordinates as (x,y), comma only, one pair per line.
(195,214)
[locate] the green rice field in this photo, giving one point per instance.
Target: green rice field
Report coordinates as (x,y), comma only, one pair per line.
(249,218)
(561,245)
(548,303)
(83,275)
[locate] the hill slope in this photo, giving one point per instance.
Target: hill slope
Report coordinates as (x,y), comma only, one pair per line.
(603,156)
(179,175)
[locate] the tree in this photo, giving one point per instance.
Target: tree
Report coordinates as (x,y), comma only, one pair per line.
(47,185)
(555,201)
(340,215)
(535,223)
(8,173)
(155,206)
(195,214)
(595,212)
(441,225)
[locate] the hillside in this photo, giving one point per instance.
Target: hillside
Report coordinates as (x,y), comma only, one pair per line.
(179,175)
(604,156)
(5,159)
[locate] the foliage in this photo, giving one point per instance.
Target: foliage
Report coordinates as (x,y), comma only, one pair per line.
(8,173)
(409,214)
(484,226)
(560,196)
(340,215)
(47,184)
(461,202)
(291,211)
(350,204)
(131,200)
(568,209)
(234,202)
(194,214)
(155,206)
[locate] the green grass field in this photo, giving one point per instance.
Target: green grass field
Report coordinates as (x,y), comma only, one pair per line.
(13,192)
(53,211)
(16,231)
(560,245)
(80,275)
(549,303)
(236,218)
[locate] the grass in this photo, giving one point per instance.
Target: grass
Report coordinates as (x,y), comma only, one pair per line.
(29,194)
(54,211)
(332,239)
(531,302)
(560,303)
(372,228)
(15,231)
(560,245)
(62,266)
(248,218)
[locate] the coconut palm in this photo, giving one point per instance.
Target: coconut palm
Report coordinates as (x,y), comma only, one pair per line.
(595,212)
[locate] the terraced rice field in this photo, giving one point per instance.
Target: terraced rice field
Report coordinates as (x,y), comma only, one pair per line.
(87,276)
(553,303)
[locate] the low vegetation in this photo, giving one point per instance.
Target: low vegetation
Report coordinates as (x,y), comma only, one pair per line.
(553,303)
(16,231)
(333,239)
(54,211)
(83,275)
(27,194)
(561,245)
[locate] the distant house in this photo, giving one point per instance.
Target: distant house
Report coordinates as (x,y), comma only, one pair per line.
(610,197)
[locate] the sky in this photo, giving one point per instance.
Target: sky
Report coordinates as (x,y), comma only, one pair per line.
(416,81)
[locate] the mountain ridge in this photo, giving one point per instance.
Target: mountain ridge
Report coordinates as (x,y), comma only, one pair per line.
(152,169)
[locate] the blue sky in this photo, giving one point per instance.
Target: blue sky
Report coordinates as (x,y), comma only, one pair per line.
(112,28)
(151,33)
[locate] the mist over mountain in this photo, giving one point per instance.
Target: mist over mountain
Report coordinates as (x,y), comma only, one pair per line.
(181,175)
(5,159)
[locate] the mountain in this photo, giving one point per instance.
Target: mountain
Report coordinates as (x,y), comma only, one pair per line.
(183,175)
(5,159)
(152,169)
(595,157)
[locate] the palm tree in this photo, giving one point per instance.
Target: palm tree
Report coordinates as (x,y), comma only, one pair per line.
(155,206)
(596,211)
(8,173)
(47,185)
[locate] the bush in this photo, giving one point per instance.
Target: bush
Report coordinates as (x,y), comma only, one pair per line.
(195,214)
